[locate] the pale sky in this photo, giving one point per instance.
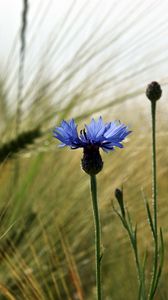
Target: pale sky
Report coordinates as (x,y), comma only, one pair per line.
(53,12)
(134,34)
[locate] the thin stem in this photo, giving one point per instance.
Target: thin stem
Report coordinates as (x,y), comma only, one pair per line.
(154,197)
(154,183)
(142,292)
(97,235)
(133,239)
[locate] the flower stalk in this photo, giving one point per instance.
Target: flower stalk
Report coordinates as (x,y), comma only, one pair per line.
(154,92)
(97,235)
(154,196)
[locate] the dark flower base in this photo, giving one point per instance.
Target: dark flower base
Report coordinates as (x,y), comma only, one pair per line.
(92,162)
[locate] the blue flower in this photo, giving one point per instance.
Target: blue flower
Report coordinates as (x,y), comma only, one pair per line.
(95,135)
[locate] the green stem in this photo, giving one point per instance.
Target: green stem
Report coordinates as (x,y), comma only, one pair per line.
(97,235)
(154,183)
(133,240)
(142,293)
(154,197)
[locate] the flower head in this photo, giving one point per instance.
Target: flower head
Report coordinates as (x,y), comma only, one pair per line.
(94,136)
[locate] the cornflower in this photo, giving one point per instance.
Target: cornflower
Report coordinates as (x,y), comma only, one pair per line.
(94,136)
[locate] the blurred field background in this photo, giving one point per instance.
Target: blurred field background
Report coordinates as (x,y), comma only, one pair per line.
(82,59)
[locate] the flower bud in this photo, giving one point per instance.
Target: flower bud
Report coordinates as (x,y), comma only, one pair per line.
(119,197)
(153,91)
(92,162)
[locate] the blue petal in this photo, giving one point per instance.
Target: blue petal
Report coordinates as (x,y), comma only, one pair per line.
(107,136)
(67,134)
(95,130)
(116,133)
